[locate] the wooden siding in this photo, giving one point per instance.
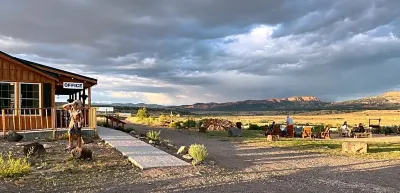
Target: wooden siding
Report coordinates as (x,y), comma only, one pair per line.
(21,123)
(14,72)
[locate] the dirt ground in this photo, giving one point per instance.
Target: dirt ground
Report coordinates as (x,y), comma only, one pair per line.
(237,168)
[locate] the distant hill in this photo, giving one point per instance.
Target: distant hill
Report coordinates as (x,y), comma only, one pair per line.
(389,100)
(129,105)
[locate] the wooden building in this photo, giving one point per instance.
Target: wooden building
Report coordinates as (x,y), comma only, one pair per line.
(28,91)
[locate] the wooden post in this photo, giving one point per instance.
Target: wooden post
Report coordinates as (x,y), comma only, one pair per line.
(53,118)
(53,105)
(89,97)
(3,118)
(83,99)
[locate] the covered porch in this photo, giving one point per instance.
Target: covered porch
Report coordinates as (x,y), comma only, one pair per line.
(30,90)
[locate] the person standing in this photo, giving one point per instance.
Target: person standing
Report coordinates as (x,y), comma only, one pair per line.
(344,129)
(75,124)
(289,126)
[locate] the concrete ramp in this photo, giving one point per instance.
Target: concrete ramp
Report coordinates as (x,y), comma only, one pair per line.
(139,153)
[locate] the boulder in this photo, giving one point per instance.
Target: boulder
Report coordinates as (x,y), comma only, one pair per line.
(355,147)
(234,132)
(34,149)
(13,136)
(272,137)
(182,150)
(81,153)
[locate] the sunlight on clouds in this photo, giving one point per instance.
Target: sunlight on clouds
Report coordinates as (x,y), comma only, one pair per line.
(156,98)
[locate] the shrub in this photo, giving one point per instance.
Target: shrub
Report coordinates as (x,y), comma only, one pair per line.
(153,135)
(12,167)
(189,123)
(101,123)
(198,124)
(128,130)
(163,118)
(254,127)
(142,113)
(198,152)
(177,124)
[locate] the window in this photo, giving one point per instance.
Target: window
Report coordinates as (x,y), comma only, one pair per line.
(7,96)
(30,98)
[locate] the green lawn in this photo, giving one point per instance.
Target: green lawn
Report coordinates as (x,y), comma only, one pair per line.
(377,150)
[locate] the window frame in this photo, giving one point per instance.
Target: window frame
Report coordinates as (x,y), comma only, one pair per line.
(15,98)
(20,98)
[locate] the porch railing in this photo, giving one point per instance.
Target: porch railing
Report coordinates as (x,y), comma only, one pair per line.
(28,119)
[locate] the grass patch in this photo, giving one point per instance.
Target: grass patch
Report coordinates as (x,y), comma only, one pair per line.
(13,167)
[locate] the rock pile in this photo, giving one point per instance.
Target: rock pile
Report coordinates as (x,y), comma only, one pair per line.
(217,124)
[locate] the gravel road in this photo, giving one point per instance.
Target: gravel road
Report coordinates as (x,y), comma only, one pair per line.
(257,169)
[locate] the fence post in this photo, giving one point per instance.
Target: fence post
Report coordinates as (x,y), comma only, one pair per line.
(3,118)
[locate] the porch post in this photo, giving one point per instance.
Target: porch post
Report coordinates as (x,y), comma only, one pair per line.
(53,107)
(84,99)
(89,97)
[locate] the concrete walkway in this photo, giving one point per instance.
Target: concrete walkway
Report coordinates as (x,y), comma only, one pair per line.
(139,153)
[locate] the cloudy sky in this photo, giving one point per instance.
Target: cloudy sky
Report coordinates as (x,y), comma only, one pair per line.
(187,51)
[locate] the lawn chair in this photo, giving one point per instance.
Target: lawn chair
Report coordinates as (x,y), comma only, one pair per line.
(326,134)
(306,132)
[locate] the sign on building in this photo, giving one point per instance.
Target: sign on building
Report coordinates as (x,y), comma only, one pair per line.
(73,85)
(106,109)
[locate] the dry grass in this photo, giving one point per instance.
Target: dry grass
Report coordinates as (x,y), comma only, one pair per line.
(388,118)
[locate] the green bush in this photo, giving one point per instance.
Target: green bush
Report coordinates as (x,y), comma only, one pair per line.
(163,118)
(198,152)
(149,121)
(254,127)
(142,113)
(12,167)
(177,124)
(153,135)
(128,130)
(198,124)
(101,123)
(189,123)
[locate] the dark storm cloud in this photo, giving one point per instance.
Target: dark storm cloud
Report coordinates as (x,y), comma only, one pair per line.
(315,47)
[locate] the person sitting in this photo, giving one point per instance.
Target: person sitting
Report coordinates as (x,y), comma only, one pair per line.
(239,125)
(361,128)
(270,129)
